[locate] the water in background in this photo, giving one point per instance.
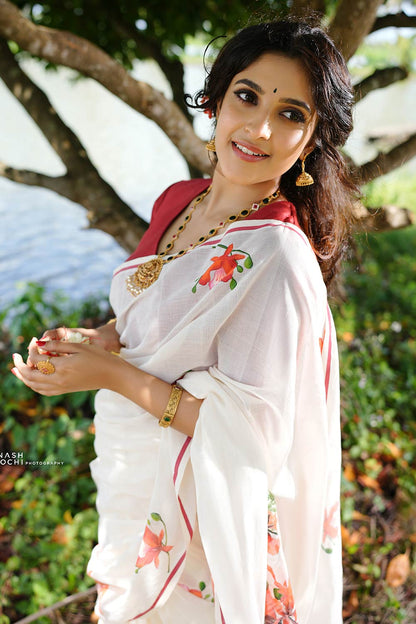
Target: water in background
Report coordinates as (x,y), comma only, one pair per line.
(43,237)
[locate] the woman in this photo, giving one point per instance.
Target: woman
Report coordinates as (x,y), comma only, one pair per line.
(230,511)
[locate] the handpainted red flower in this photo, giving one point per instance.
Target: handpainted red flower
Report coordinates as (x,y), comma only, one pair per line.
(153,546)
(273,542)
(194,592)
(280,608)
(222,268)
(280,605)
(330,523)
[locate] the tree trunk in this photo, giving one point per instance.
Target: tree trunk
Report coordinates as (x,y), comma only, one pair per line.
(82,183)
(352,22)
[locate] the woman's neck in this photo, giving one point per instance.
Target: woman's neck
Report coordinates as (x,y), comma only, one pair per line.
(227,198)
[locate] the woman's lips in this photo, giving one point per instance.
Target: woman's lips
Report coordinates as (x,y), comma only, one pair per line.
(248,152)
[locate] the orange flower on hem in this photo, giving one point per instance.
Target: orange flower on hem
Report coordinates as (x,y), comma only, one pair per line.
(330,529)
(280,607)
(280,604)
(273,542)
(153,547)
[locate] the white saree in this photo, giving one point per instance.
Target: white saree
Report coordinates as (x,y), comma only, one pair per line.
(240,524)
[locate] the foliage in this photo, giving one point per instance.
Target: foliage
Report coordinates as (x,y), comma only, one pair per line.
(372,55)
(397,188)
(377,338)
(49,520)
(127,30)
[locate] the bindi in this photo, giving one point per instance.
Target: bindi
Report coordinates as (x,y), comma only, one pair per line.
(274,90)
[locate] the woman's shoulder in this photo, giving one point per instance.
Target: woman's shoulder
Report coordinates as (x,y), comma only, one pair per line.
(165,209)
(279,244)
(178,195)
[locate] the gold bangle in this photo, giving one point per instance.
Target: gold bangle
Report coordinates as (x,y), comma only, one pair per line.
(172,406)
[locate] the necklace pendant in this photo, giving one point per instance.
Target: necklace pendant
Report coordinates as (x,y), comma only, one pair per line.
(145,275)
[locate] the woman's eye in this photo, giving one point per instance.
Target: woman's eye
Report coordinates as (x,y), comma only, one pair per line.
(294,115)
(246,96)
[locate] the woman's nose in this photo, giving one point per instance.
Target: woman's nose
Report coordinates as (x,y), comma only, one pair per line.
(259,127)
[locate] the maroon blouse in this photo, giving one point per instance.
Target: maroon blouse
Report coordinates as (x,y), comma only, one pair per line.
(176,198)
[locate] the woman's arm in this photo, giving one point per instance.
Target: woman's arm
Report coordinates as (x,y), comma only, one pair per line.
(90,367)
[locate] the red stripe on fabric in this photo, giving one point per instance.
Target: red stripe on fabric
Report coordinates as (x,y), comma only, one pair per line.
(180,457)
(222,617)
(185,516)
(242,228)
(179,563)
(328,361)
(132,266)
(168,580)
(214,241)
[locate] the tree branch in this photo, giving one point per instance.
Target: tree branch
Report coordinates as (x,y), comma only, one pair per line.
(386,162)
(61,184)
(172,68)
(65,143)
(351,23)
(58,605)
(302,7)
(382,219)
(380,79)
(397,20)
(64,48)
(82,183)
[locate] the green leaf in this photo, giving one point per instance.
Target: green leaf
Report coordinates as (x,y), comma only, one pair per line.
(277,594)
(248,263)
(194,288)
(202,586)
(156,517)
(239,268)
(233,284)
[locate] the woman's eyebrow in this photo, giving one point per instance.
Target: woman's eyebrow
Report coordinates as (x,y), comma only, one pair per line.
(300,103)
(251,84)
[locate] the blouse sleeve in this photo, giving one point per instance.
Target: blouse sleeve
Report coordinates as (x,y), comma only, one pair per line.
(263,426)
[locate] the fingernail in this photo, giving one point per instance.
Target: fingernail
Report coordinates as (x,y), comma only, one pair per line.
(14,355)
(41,343)
(13,370)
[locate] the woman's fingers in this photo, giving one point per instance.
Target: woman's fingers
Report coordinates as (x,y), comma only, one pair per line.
(60,333)
(58,347)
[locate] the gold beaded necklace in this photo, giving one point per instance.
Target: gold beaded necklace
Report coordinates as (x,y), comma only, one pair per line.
(148,272)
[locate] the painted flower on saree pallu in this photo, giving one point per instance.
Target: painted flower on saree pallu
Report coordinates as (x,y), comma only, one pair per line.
(223,267)
(273,541)
(331,529)
(153,544)
(280,605)
(199,593)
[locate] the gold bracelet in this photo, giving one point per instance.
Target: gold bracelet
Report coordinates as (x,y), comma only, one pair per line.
(172,406)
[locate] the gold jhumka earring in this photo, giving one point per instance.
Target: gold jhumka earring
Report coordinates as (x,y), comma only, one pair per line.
(304,178)
(210,146)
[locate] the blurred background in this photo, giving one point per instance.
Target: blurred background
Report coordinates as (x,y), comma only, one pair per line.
(84,152)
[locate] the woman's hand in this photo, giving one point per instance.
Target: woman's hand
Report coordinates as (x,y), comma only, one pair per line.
(106,337)
(80,367)
(90,367)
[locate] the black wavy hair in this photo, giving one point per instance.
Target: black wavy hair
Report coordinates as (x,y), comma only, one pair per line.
(325,208)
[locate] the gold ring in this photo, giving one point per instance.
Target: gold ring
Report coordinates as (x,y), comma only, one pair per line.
(46,367)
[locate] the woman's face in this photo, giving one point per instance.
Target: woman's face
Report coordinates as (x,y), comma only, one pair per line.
(265,121)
